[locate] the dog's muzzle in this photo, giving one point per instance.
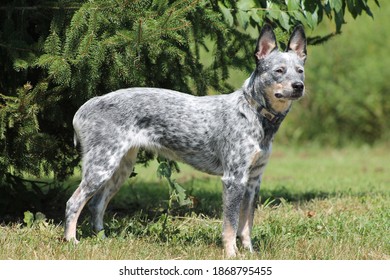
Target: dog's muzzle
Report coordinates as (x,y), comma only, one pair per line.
(298,89)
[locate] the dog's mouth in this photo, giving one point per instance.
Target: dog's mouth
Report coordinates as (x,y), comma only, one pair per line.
(290,96)
(279,95)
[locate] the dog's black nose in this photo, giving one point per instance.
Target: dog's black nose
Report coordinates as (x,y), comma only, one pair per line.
(298,86)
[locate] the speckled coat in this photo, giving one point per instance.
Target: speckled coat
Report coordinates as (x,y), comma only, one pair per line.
(228,135)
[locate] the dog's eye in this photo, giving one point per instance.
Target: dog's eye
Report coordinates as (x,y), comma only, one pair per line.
(280,70)
(300,70)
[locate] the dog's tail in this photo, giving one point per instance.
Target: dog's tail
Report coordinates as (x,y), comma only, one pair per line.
(75,139)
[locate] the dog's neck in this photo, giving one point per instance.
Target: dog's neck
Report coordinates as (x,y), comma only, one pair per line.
(265,112)
(268,119)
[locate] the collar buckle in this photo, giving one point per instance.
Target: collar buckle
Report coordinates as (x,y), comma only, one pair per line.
(271,117)
(267,114)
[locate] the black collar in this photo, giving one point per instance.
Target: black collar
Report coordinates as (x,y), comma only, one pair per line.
(264,113)
(274,118)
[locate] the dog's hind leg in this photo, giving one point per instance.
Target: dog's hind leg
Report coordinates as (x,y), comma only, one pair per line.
(97,172)
(98,203)
(73,209)
(76,203)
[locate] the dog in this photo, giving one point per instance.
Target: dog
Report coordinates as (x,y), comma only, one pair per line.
(229,135)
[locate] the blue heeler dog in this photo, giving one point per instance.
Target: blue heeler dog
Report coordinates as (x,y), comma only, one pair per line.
(228,135)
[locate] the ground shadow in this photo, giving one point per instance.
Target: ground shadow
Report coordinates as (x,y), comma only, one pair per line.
(149,198)
(284,193)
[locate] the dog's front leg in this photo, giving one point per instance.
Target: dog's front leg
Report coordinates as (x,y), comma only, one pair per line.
(233,192)
(247,211)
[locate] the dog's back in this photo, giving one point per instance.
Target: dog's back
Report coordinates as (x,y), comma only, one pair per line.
(181,126)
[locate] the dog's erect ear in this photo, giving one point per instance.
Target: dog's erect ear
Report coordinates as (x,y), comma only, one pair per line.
(297,42)
(266,43)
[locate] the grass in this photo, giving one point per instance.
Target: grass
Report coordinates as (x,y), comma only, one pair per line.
(316,204)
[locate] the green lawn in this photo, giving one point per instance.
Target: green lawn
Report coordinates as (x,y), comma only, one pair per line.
(316,204)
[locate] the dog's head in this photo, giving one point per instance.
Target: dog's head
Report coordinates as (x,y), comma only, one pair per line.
(279,76)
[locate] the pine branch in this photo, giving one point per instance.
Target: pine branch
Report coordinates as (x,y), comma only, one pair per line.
(39,7)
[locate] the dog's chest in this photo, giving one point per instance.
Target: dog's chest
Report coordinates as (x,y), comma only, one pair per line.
(260,157)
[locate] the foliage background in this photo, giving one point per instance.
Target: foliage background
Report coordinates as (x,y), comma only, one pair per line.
(55,55)
(348,86)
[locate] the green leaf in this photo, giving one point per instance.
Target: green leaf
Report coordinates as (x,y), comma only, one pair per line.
(20,64)
(163,170)
(243,19)
(339,20)
(336,5)
(273,11)
(352,8)
(256,15)
(40,217)
(226,14)
(293,5)
(101,234)
(246,5)
(311,19)
(28,218)
(284,20)
(299,16)
(182,196)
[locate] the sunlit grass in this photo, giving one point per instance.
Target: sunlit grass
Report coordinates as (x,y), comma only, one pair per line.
(317,204)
